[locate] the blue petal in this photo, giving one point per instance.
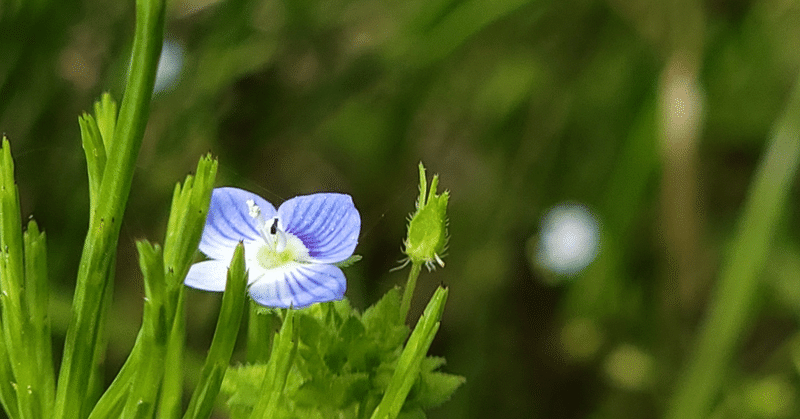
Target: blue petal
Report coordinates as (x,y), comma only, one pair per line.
(299,287)
(229,222)
(210,275)
(328,224)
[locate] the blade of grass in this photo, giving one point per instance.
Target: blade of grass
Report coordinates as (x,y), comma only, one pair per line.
(219,355)
(736,289)
(408,366)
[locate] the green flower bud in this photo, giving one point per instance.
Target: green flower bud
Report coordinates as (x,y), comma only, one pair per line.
(427,228)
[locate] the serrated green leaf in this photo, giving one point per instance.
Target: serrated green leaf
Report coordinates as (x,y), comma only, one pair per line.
(311,331)
(385,311)
(435,388)
(242,385)
(432,363)
(352,329)
(415,413)
(383,322)
(335,393)
(343,365)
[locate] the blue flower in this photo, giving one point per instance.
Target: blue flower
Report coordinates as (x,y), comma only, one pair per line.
(289,252)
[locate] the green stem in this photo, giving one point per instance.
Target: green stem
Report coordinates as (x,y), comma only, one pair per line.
(99,251)
(738,282)
(408,292)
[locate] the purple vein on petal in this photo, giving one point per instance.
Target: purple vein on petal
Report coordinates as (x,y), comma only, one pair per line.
(235,227)
(296,279)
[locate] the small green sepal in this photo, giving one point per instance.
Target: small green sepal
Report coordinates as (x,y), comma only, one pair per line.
(352,260)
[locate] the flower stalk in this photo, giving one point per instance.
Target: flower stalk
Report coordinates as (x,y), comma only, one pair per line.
(84,340)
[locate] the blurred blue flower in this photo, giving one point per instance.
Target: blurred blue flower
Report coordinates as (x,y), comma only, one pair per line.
(289,252)
(170,66)
(569,239)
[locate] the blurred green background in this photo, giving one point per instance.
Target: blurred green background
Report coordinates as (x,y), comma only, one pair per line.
(649,117)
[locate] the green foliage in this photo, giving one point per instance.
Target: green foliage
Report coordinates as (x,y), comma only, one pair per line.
(84,344)
(326,360)
(738,281)
(523,105)
(346,362)
(219,355)
(408,366)
(25,348)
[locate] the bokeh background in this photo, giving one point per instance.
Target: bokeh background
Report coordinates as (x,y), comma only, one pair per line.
(598,153)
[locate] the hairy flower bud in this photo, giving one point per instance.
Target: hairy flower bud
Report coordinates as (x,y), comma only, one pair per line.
(427,228)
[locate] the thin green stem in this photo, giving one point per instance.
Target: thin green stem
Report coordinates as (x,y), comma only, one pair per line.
(738,282)
(408,292)
(96,267)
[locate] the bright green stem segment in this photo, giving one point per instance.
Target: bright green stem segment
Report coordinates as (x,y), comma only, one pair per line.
(737,286)
(84,335)
(219,356)
(408,292)
(408,366)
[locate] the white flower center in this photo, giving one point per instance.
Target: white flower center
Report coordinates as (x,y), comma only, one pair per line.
(279,248)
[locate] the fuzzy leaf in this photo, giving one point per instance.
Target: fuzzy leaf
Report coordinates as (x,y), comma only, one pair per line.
(243,385)
(435,388)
